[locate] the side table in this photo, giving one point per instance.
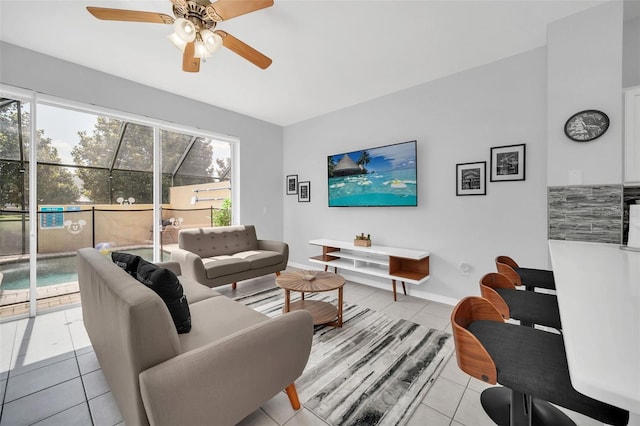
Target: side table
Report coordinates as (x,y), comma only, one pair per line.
(313,282)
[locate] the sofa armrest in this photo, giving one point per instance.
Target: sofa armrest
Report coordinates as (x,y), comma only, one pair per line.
(224,381)
(191,264)
(172,265)
(277,246)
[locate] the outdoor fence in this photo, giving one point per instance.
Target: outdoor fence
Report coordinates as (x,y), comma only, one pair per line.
(67,229)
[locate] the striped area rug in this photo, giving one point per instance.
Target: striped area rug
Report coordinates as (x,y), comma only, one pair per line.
(374,370)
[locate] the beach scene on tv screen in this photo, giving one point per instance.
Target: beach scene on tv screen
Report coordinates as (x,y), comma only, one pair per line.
(381,176)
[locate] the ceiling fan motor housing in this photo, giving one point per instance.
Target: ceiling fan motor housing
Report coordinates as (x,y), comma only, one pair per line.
(197,13)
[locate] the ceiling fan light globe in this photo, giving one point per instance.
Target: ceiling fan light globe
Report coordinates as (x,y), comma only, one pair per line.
(177,41)
(185,29)
(200,51)
(212,41)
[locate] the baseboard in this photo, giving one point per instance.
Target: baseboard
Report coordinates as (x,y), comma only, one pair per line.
(384,285)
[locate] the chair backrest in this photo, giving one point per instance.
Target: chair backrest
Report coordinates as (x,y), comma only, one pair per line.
(471,355)
(488,284)
(505,265)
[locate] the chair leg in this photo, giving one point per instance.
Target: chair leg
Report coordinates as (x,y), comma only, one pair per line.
(234,286)
(292,393)
(277,273)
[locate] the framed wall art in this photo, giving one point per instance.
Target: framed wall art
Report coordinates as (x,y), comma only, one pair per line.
(508,163)
(304,192)
(471,178)
(292,184)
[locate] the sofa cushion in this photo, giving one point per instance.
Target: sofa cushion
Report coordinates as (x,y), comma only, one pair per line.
(219,266)
(195,291)
(166,284)
(216,318)
(260,258)
(128,262)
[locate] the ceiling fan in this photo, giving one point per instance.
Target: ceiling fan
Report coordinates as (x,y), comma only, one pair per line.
(194,25)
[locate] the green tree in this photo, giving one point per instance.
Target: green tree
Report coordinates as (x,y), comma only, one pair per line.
(222,216)
(331,165)
(364,159)
(132,173)
(55,183)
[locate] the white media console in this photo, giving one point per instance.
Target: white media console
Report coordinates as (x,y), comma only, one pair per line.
(396,264)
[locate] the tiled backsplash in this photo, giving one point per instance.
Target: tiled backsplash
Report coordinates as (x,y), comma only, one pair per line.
(585,213)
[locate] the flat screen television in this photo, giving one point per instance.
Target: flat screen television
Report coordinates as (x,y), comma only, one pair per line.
(376,177)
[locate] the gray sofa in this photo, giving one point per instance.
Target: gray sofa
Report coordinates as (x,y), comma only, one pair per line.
(227,254)
(232,361)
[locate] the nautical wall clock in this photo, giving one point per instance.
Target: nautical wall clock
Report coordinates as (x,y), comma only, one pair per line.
(586,125)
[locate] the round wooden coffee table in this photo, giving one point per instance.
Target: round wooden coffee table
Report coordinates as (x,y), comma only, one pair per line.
(313,282)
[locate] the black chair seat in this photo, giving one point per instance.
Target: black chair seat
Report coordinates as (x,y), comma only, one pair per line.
(534,362)
(540,278)
(531,307)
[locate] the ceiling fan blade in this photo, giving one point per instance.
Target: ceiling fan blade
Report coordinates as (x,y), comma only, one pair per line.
(223,10)
(189,62)
(129,15)
(244,50)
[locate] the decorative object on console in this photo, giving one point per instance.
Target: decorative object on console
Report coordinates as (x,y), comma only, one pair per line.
(508,163)
(587,125)
(376,177)
(471,178)
(362,240)
(304,192)
(292,184)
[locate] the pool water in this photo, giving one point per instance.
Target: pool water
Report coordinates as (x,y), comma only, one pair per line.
(51,270)
(392,188)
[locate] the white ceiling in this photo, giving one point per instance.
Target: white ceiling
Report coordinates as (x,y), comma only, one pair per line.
(327,55)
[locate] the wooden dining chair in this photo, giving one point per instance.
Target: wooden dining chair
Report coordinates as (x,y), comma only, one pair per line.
(530,364)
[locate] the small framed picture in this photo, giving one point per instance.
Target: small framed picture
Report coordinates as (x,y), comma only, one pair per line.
(507,163)
(292,184)
(471,178)
(304,192)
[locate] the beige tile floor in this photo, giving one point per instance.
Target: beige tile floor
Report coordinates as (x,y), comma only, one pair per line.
(49,374)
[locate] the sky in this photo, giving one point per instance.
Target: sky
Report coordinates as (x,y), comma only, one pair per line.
(62,126)
(386,157)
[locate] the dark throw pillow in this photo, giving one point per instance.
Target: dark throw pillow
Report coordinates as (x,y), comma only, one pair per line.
(128,262)
(166,284)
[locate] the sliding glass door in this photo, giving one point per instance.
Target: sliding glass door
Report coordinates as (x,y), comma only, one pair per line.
(94,187)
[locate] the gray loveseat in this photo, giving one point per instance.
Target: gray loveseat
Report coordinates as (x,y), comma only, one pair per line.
(232,361)
(226,254)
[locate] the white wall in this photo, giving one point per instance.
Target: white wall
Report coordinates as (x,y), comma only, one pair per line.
(455,120)
(631,53)
(585,72)
(260,142)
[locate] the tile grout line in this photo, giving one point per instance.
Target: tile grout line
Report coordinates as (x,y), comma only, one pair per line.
(75,355)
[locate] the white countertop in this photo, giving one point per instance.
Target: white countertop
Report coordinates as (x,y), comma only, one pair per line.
(373,249)
(598,289)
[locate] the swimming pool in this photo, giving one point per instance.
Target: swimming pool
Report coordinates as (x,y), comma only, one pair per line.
(51,270)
